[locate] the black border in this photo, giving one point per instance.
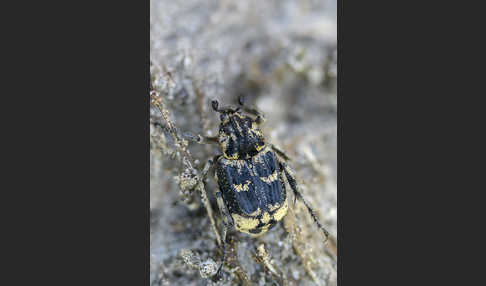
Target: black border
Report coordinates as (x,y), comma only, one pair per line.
(78,165)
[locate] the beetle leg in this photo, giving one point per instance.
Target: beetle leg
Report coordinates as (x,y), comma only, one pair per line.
(227,223)
(200,139)
(293,184)
(205,199)
(227,220)
(282,167)
(280,152)
(209,164)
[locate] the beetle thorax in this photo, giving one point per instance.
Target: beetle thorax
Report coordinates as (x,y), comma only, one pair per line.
(239,136)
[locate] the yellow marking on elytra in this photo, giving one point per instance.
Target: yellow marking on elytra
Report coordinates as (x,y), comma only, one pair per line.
(265,218)
(259,148)
(256,213)
(233,163)
(274,207)
(270,178)
(242,187)
(282,211)
(260,157)
(244,224)
(263,230)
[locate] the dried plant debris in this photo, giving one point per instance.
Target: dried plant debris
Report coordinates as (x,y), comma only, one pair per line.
(281,56)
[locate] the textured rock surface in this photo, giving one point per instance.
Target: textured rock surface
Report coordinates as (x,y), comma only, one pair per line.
(281,55)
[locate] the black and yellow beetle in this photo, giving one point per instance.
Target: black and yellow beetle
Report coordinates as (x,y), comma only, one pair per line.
(252,196)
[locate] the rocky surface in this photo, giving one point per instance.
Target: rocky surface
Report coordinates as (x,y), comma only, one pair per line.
(281,56)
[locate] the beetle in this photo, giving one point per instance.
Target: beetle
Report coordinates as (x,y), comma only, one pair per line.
(250,173)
